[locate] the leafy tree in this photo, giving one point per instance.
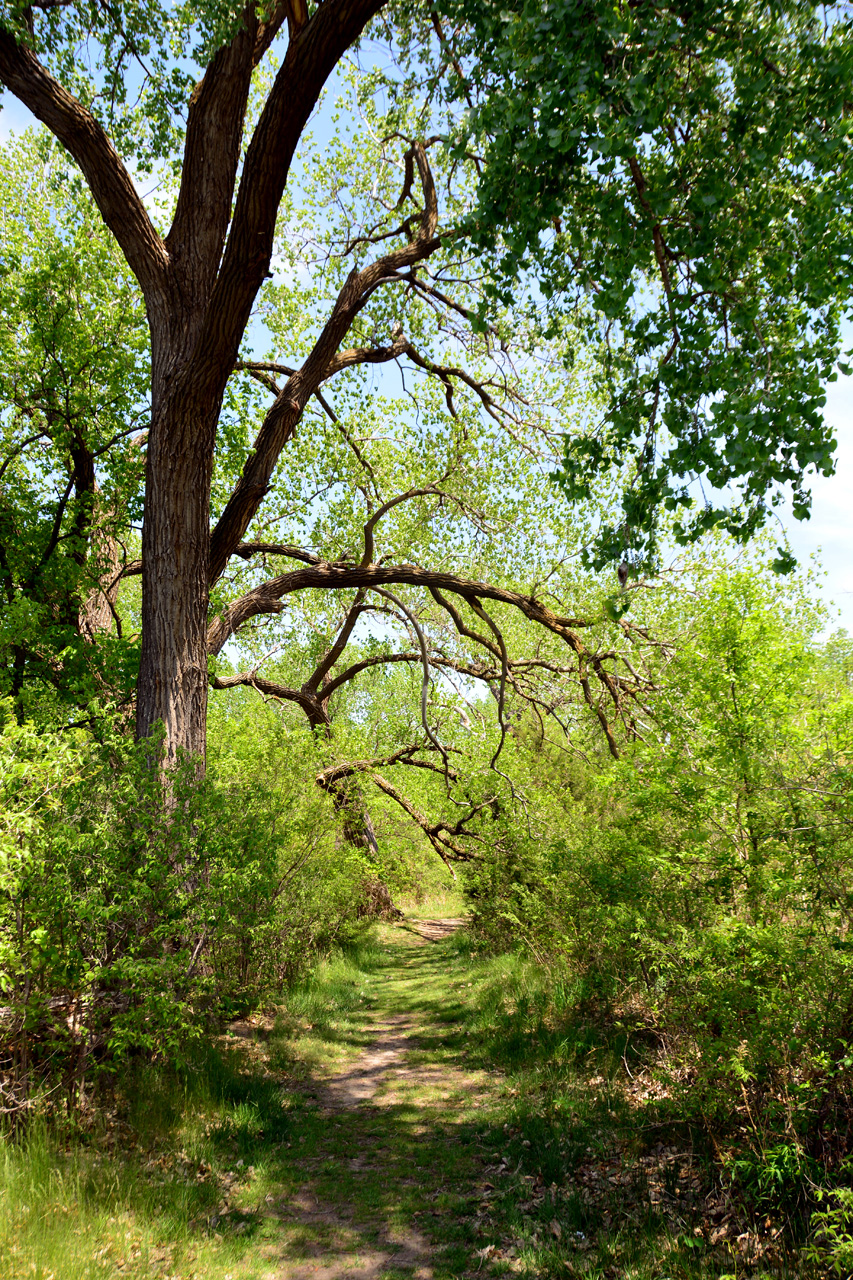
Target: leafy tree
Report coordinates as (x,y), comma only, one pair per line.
(223,110)
(199,282)
(73,417)
(681,178)
(465,460)
(450,547)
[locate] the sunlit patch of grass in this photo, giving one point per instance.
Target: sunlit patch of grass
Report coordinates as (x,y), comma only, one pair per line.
(478,1144)
(441,902)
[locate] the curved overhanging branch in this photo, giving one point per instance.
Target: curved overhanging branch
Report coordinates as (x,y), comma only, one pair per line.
(338,779)
(378,660)
(269,596)
(324,360)
(460,624)
(405,755)
(337,576)
(80,133)
(370,526)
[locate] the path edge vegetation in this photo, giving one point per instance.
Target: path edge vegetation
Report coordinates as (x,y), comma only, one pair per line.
(717,922)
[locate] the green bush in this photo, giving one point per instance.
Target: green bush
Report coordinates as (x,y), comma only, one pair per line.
(701,888)
(134,909)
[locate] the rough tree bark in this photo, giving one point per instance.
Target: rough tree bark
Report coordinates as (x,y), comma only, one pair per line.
(198,290)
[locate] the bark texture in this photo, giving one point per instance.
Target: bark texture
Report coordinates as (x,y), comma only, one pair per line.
(199,284)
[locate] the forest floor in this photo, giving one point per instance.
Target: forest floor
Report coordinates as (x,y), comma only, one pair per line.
(391,1122)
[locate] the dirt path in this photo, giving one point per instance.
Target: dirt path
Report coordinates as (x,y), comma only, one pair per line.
(388,1159)
(407,1116)
(433,930)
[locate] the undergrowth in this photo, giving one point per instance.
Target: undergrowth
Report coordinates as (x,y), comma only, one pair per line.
(517,1138)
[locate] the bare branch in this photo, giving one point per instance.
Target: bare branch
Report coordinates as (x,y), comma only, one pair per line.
(281,419)
(266,598)
(266,687)
(345,769)
(437,836)
(378,660)
(365,355)
(340,643)
(247,549)
(460,624)
(430,292)
(446,374)
(369,548)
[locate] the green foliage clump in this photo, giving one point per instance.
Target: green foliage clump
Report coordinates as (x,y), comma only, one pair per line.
(698,889)
(136,908)
(676,176)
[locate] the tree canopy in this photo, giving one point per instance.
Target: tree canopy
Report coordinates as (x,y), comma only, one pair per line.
(679,177)
(659,197)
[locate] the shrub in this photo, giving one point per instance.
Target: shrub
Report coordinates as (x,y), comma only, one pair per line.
(701,887)
(133,909)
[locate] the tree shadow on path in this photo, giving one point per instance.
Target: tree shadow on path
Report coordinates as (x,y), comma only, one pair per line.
(383,1174)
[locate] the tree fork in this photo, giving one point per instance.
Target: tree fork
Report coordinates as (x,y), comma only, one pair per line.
(199,286)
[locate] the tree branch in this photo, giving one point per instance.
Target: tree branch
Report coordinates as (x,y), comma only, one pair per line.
(312,54)
(247,549)
(435,832)
(345,769)
(369,548)
(267,597)
(461,626)
(328,661)
(217,109)
(378,660)
(268,688)
(110,183)
(282,417)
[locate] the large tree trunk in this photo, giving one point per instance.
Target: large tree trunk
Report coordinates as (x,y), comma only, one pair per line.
(172,687)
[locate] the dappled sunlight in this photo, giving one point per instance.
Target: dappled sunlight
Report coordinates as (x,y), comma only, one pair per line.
(404,1117)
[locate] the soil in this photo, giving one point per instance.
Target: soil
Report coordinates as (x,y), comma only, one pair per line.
(390,1075)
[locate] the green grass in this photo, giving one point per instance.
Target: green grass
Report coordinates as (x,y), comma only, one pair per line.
(442,901)
(488,1147)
